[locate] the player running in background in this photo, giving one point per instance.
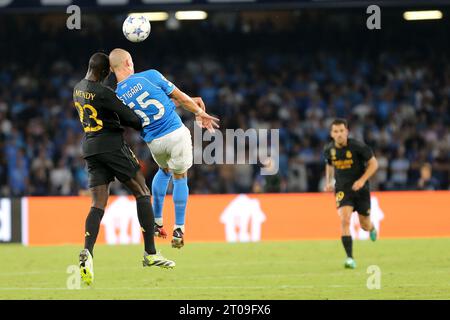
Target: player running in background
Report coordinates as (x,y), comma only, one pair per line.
(150,96)
(107,157)
(351,163)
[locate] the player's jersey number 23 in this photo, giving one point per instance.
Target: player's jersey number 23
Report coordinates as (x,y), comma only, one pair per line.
(88,117)
(144,104)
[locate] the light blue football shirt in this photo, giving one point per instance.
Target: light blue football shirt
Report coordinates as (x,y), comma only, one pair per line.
(147,94)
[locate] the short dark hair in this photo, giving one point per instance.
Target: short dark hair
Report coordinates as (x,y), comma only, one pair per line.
(100,63)
(339,121)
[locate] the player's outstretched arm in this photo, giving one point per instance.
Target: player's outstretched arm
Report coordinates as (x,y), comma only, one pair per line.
(202,122)
(329,176)
(372,166)
(127,117)
(197,100)
(196,106)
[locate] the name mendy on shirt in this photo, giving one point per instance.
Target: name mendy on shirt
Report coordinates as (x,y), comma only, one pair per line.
(84,94)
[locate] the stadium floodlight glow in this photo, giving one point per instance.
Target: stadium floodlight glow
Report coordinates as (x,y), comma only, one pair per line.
(422,15)
(191,15)
(153,16)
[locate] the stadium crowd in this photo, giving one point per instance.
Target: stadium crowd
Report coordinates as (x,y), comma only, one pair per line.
(397,102)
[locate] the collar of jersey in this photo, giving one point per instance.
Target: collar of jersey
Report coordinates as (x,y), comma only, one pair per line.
(125,79)
(334,144)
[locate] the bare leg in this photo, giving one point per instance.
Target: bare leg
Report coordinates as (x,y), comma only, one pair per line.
(366,223)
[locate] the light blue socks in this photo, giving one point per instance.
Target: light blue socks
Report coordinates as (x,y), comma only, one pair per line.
(180,196)
(159,189)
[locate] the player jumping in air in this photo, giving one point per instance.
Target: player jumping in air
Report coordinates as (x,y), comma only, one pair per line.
(108,157)
(351,163)
(154,99)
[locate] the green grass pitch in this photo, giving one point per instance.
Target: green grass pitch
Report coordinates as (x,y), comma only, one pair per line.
(410,269)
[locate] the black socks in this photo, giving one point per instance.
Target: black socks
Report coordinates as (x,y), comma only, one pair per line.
(347,242)
(147,222)
(92,227)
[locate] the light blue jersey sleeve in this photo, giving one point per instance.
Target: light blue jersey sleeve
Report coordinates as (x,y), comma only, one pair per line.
(155,77)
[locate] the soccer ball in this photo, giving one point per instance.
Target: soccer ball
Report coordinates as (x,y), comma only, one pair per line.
(136,28)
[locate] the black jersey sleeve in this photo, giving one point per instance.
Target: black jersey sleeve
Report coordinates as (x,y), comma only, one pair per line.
(127,117)
(364,151)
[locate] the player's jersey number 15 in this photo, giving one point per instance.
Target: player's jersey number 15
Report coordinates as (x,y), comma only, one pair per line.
(144,105)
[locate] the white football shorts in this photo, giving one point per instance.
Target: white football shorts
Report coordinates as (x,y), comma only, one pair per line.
(173,151)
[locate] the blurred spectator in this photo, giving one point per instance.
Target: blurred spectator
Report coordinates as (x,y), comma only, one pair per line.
(427,181)
(269,183)
(399,171)
(379,181)
(18,181)
(61,179)
(40,184)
